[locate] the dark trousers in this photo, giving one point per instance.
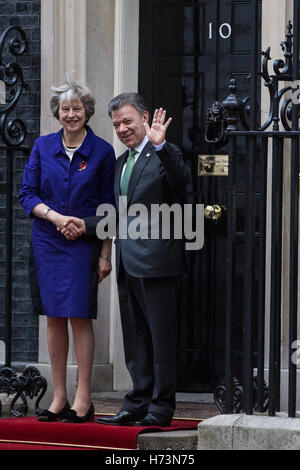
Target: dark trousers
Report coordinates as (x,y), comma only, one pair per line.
(148,314)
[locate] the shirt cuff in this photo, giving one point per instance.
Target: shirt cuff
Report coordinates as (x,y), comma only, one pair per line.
(159,147)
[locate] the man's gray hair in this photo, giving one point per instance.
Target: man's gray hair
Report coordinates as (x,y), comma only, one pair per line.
(69,91)
(132,99)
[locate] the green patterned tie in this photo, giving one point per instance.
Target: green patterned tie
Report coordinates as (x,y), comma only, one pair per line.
(127,172)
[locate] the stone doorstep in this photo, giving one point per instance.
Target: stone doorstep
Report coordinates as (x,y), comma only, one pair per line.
(175,440)
(168,440)
(249,432)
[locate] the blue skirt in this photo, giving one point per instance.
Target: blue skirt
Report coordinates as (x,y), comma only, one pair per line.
(64,273)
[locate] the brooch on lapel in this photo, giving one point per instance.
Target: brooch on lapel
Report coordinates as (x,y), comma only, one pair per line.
(82,166)
(148,155)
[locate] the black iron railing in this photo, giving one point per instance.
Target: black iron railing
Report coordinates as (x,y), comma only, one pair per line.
(262,143)
(13,42)
(12,133)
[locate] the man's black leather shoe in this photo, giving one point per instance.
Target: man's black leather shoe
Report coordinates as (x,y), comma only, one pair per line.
(123,418)
(153,419)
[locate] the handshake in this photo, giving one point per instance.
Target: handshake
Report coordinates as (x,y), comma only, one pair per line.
(71,227)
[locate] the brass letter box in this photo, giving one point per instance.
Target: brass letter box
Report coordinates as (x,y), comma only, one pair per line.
(213,165)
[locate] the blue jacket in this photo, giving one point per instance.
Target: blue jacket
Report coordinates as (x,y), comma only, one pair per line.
(71,189)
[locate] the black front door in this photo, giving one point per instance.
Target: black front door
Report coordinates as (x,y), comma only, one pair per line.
(188,52)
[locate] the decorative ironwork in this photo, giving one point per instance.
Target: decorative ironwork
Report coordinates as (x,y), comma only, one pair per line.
(283,72)
(9,384)
(13,42)
(29,384)
(12,131)
(237,396)
(224,116)
(33,385)
(265,396)
(254,394)
(236,108)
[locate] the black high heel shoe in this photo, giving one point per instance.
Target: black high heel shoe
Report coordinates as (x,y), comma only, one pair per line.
(72,416)
(48,416)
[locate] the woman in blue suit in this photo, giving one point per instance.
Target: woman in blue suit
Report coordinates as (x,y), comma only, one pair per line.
(68,173)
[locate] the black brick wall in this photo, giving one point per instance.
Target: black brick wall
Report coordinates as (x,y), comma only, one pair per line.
(25,325)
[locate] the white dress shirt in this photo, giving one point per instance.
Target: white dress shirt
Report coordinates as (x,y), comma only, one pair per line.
(139,150)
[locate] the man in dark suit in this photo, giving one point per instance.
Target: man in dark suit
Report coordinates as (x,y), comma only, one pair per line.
(150,172)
